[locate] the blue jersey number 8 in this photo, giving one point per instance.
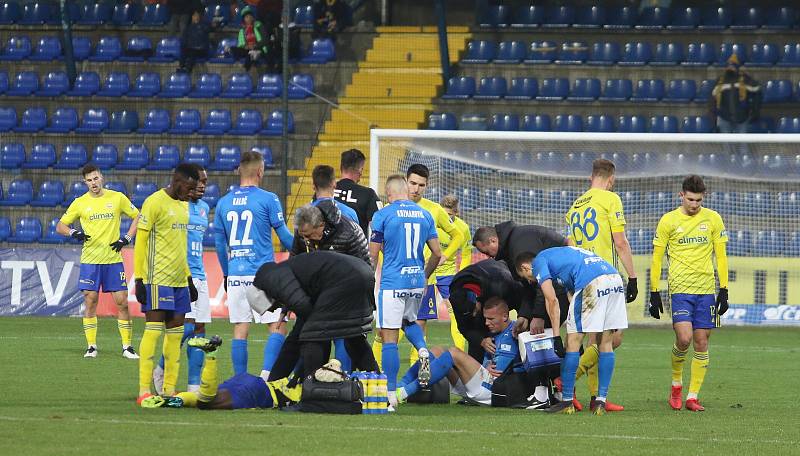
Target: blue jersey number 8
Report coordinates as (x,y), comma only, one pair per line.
(587,229)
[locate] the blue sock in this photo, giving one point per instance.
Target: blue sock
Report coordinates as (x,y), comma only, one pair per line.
(411,374)
(271,350)
(188,332)
(605,369)
(239,355)
(439,369)
(195,357)
(391,364)
(415,335)
(568,369)
(341,354)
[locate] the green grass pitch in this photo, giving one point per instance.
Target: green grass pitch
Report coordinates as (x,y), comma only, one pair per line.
(56,402)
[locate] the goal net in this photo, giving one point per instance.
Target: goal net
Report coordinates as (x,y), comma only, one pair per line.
(753,181)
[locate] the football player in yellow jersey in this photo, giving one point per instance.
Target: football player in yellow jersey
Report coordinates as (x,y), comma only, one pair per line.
(450,205)
(99,211)
(596,222)
(162,275)
(689,235)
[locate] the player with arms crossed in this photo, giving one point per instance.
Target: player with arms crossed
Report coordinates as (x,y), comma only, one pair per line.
(596,222)
(402,230)
(99,211)
(689,235)
(243,223)
(597,305)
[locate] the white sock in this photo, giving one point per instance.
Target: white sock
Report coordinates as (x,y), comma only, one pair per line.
(677,384)
(691,396)
(541,393)
(193,388)
(265,375)
(401,394)
(600,398)
(392,396)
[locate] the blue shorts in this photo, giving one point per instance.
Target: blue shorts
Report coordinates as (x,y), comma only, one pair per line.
(427,308)
(247,391)
(111,277)
(699,310)
(167,298)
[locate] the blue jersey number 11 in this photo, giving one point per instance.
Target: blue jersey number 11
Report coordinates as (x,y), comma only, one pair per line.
(412,240)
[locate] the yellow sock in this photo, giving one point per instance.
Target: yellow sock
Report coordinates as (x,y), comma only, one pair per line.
(458,340)
(413,356)
(90,330)
(699,368)
(587,361)
(377,348)
(125,329)
(147,350)
(189,398)
(678,358)
(209,381)
(172,359)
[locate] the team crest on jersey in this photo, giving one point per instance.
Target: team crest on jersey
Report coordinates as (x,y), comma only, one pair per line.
(202,212)
(702,227)
(109,206)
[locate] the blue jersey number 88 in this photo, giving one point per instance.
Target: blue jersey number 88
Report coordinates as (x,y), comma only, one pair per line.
(586,229)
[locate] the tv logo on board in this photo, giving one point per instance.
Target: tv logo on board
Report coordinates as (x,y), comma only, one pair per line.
(782,313)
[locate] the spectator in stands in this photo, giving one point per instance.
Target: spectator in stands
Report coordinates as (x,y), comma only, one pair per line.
(195,43)
(272,10)
(181,15)
(253,40)
(330,18)
(735,101)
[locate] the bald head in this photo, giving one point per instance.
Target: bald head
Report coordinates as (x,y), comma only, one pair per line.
(396,188)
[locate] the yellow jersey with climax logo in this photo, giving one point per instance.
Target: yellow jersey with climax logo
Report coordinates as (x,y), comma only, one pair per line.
(689,241)
(100,219)
(448,268)
(444,227)
(592,219)
(165,222)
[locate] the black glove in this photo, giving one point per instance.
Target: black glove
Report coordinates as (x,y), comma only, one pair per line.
(141,292)
(656,307)
(722,301)
(192,290)
(79,235)
(225,283)
(632,290)
(120,243)
(558,347)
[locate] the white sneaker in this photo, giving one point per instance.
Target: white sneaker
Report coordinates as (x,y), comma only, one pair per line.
(129,352)
(158,379)
(424,375)
(264,375)
(91,352)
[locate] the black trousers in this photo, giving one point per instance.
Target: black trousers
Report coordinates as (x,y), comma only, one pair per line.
(189,56)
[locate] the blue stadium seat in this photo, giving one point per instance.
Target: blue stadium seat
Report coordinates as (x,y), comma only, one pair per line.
(73,156)
(553,89)
(51,236)
(155,122)
(600,124)
(50,194)
(10,12)
(138,48)
(442,121)
(12,156)
(211,195)
(527,201)
(739,243)
(124,226)
(681,90)
(568,123)
(107,49)
(304,16)
(135,156)
(75,190)
(764,124)
(141,192)
(322,50)
(747,18)
(87,83)
(95,14)
(33,120)
(653,18)
(663,124)
(773,165)
(704,90)
(790,55)
(623,17)
(528,16)
(538,122)
(716,18)
(667,54)
(125,121)
(42,156)
(510,52)
(660,202)
(116,84)
(684,19)
(617,90)
(208,86)
(632,201)
(642,241)
(495,16)
(154,15)
(218,122)
(187,121)
(28,230)
(479,51)
(636,53)
(778,91)
(147,84)
(780,18)
(559,16)
(696,124)
(474,122)
(728,49)
(239,86)
(648,90)
(105,156)
(219,55)
(787,204)
(572,53)
(523,89)
(559,201)
(18,193)
(274,125)
(166,157)
(47,49)
(167,50)
(197,154)
(763,55)
(542,52)
(788,125)
(124,13)
(177,85)
(504,122)
(769,243)
(248,122)
(95,120)
(494,199)
(226,159)
(8,119)
(268,86)
(24,84)
(3,82)
(604,53)
(301,86)
(700,54)
(265,152)
(56,83)
(81,48)
(491,88)
(585,89)
(35,13)
(755,204)
(589,17)
(461,87)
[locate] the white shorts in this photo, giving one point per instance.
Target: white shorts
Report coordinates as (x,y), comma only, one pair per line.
(599,306)
(239,310)
(478,389)
(394,306)
(201,309)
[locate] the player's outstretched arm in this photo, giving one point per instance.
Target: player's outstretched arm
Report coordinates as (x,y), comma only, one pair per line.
(436,255)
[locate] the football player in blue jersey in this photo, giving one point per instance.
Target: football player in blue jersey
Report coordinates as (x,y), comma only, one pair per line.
(243,224)
(402,230)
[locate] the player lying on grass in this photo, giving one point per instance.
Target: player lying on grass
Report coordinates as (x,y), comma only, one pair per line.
(242,391)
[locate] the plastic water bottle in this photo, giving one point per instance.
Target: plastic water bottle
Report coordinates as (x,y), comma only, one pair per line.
(372,393)
(383,396)
(362,378)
